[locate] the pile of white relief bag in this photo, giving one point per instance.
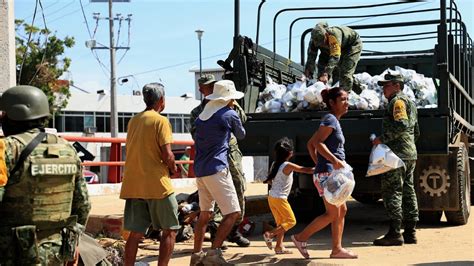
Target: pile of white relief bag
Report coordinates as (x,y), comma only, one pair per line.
(305,95)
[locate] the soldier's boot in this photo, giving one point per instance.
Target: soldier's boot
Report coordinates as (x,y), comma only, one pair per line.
(236,237)
(393,237)
(409,234)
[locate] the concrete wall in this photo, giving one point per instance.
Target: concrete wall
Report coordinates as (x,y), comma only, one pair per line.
(7,45)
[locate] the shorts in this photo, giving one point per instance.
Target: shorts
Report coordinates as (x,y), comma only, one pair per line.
(318,179)
(160,213)
(219,188)
(282,212)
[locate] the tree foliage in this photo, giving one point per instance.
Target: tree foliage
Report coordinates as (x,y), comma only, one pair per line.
(41,62)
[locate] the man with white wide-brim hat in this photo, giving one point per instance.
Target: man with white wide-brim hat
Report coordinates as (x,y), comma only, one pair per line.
(213,131)
(234,158)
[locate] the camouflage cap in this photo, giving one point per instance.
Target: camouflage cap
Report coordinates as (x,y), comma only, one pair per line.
(206,79)
(391,77)
(319,32)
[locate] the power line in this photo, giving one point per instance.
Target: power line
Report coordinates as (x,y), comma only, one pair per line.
(28,42)
(103,67)
(85,19)
(45,43)
(176,65)
(29,16)
(60,9)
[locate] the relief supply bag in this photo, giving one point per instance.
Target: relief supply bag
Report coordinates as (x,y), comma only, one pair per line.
(338,186)
(382,159)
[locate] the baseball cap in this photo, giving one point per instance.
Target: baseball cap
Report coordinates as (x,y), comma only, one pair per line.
(391,77)
(206,79)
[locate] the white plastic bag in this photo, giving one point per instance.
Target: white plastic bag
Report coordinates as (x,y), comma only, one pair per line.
(338,186)
(382,159)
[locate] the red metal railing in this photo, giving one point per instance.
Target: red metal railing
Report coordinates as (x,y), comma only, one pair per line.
(115,158)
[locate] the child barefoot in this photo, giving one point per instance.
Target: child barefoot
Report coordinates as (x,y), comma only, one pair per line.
(281,179)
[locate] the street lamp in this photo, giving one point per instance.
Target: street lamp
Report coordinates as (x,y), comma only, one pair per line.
(199,33)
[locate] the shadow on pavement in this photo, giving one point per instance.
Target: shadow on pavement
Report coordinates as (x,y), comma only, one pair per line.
(447,263)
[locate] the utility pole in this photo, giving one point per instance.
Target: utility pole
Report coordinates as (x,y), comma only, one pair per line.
(7,45)
(113,83)
(112,49)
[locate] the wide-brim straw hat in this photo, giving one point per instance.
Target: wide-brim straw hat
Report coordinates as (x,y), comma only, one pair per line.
(223,92)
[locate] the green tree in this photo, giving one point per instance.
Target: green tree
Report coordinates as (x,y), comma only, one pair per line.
(41,63)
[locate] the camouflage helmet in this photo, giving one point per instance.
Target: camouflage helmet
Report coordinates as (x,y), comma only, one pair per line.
(319,32)
(23,103)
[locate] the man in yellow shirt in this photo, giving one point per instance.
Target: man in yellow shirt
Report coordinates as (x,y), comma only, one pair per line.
(146,186)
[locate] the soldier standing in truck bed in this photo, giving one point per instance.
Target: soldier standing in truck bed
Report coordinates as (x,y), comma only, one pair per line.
(340,48)
(43,196)
(400,131)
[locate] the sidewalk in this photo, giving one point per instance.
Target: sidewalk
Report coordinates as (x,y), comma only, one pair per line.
(106,216)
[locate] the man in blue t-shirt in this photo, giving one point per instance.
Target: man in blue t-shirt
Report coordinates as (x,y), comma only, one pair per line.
(213,130)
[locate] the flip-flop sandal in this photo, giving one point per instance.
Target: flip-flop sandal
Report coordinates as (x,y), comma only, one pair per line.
(301,246)
(344,254)
(283,251)
(268,241)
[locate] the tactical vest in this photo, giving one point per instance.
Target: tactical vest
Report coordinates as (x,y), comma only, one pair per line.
(41,192)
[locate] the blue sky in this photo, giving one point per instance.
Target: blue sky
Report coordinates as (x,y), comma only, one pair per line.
(164,45)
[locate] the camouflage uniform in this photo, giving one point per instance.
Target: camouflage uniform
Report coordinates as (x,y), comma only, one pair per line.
(40,205)
(400,131)
(234,159)
(340,53)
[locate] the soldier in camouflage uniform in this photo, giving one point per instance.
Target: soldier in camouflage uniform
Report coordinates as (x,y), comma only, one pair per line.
(400,131)
(44,205)
(234,158)
(340,48)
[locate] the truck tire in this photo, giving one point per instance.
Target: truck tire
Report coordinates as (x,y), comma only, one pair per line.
(461,216)
(367,198)
(471,169)
(430,217)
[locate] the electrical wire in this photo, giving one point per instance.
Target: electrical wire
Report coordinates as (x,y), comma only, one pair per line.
(96,26)
(175,65)
(118,32)
(103,67)
(45,43)
(28,42)
(29,16)
(61,9)
(81,89)
(128,40)
(85,19)
(67,14)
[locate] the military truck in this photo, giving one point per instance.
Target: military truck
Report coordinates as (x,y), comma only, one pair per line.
(443,174)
